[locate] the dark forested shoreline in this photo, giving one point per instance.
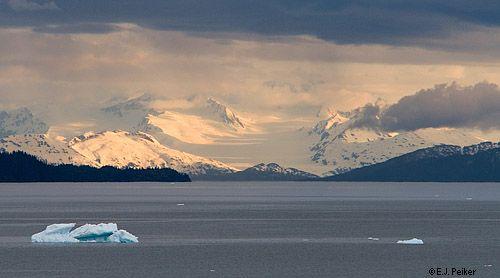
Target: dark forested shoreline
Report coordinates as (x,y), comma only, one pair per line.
(22,167)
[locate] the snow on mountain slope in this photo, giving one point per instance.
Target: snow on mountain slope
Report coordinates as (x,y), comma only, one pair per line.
(196,121)
(265,172)
(114,148)
(20,121)
(141,150)
(275,168)
(53,150)
(224,114)
(186,128)
(127,114)
(136,105)
(344,145)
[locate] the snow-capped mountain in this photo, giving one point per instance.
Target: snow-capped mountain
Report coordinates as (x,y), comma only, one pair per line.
(114,148)
(127,114)
(202,124)
(20,121)
(52,150)
(140,104)
(274,168)
(344,144)
(224,114)
(265,172)
(442,163)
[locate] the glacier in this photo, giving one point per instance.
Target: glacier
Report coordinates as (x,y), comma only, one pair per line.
(102,233)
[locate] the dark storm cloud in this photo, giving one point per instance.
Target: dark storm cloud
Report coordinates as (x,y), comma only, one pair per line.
(367,116)
(90,28)
(446,106)
(343,21)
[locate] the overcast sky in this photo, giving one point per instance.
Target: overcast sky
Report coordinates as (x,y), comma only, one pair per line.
(261,56)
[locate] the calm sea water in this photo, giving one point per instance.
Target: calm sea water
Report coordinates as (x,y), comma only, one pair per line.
(255,229)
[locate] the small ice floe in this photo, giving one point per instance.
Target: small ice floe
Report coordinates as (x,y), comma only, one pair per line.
(180,205)
(488,265)
(373,238)
(61,233)
(410,241)
(468,198)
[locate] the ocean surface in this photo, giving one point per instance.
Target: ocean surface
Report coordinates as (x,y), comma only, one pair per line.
(281,229)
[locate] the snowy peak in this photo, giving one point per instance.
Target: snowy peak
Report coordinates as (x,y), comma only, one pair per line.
(222,113)
(270,167)
(276,169)
(20,121)
(140,104)
(264,172)
(141,150)
(335,119)
(207,122)
(355,139)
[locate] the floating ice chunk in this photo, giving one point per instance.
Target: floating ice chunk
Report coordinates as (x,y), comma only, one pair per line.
(87,233)
(55,233)
(122,236)
(373,238)
(411,241)
(93,232)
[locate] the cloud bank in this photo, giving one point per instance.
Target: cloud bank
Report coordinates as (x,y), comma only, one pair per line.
(396,22)
(476,106)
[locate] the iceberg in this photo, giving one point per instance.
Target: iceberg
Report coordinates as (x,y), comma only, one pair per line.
(93,232)
(55,233)
(122,236)
(103,232)
(411,241)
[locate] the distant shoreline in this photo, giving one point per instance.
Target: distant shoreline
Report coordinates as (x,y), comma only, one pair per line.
(19,167)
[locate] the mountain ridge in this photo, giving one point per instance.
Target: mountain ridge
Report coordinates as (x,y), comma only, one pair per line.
(443,163)
(264,172)
(113,148)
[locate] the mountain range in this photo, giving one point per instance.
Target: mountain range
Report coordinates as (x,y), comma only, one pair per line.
(209,140)
(113,148)
(344,145)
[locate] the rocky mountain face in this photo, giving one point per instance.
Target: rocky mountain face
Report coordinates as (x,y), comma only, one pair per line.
(20,121)
(140,104)
(224,114)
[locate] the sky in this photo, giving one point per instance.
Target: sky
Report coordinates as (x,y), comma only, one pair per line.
(262,56)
